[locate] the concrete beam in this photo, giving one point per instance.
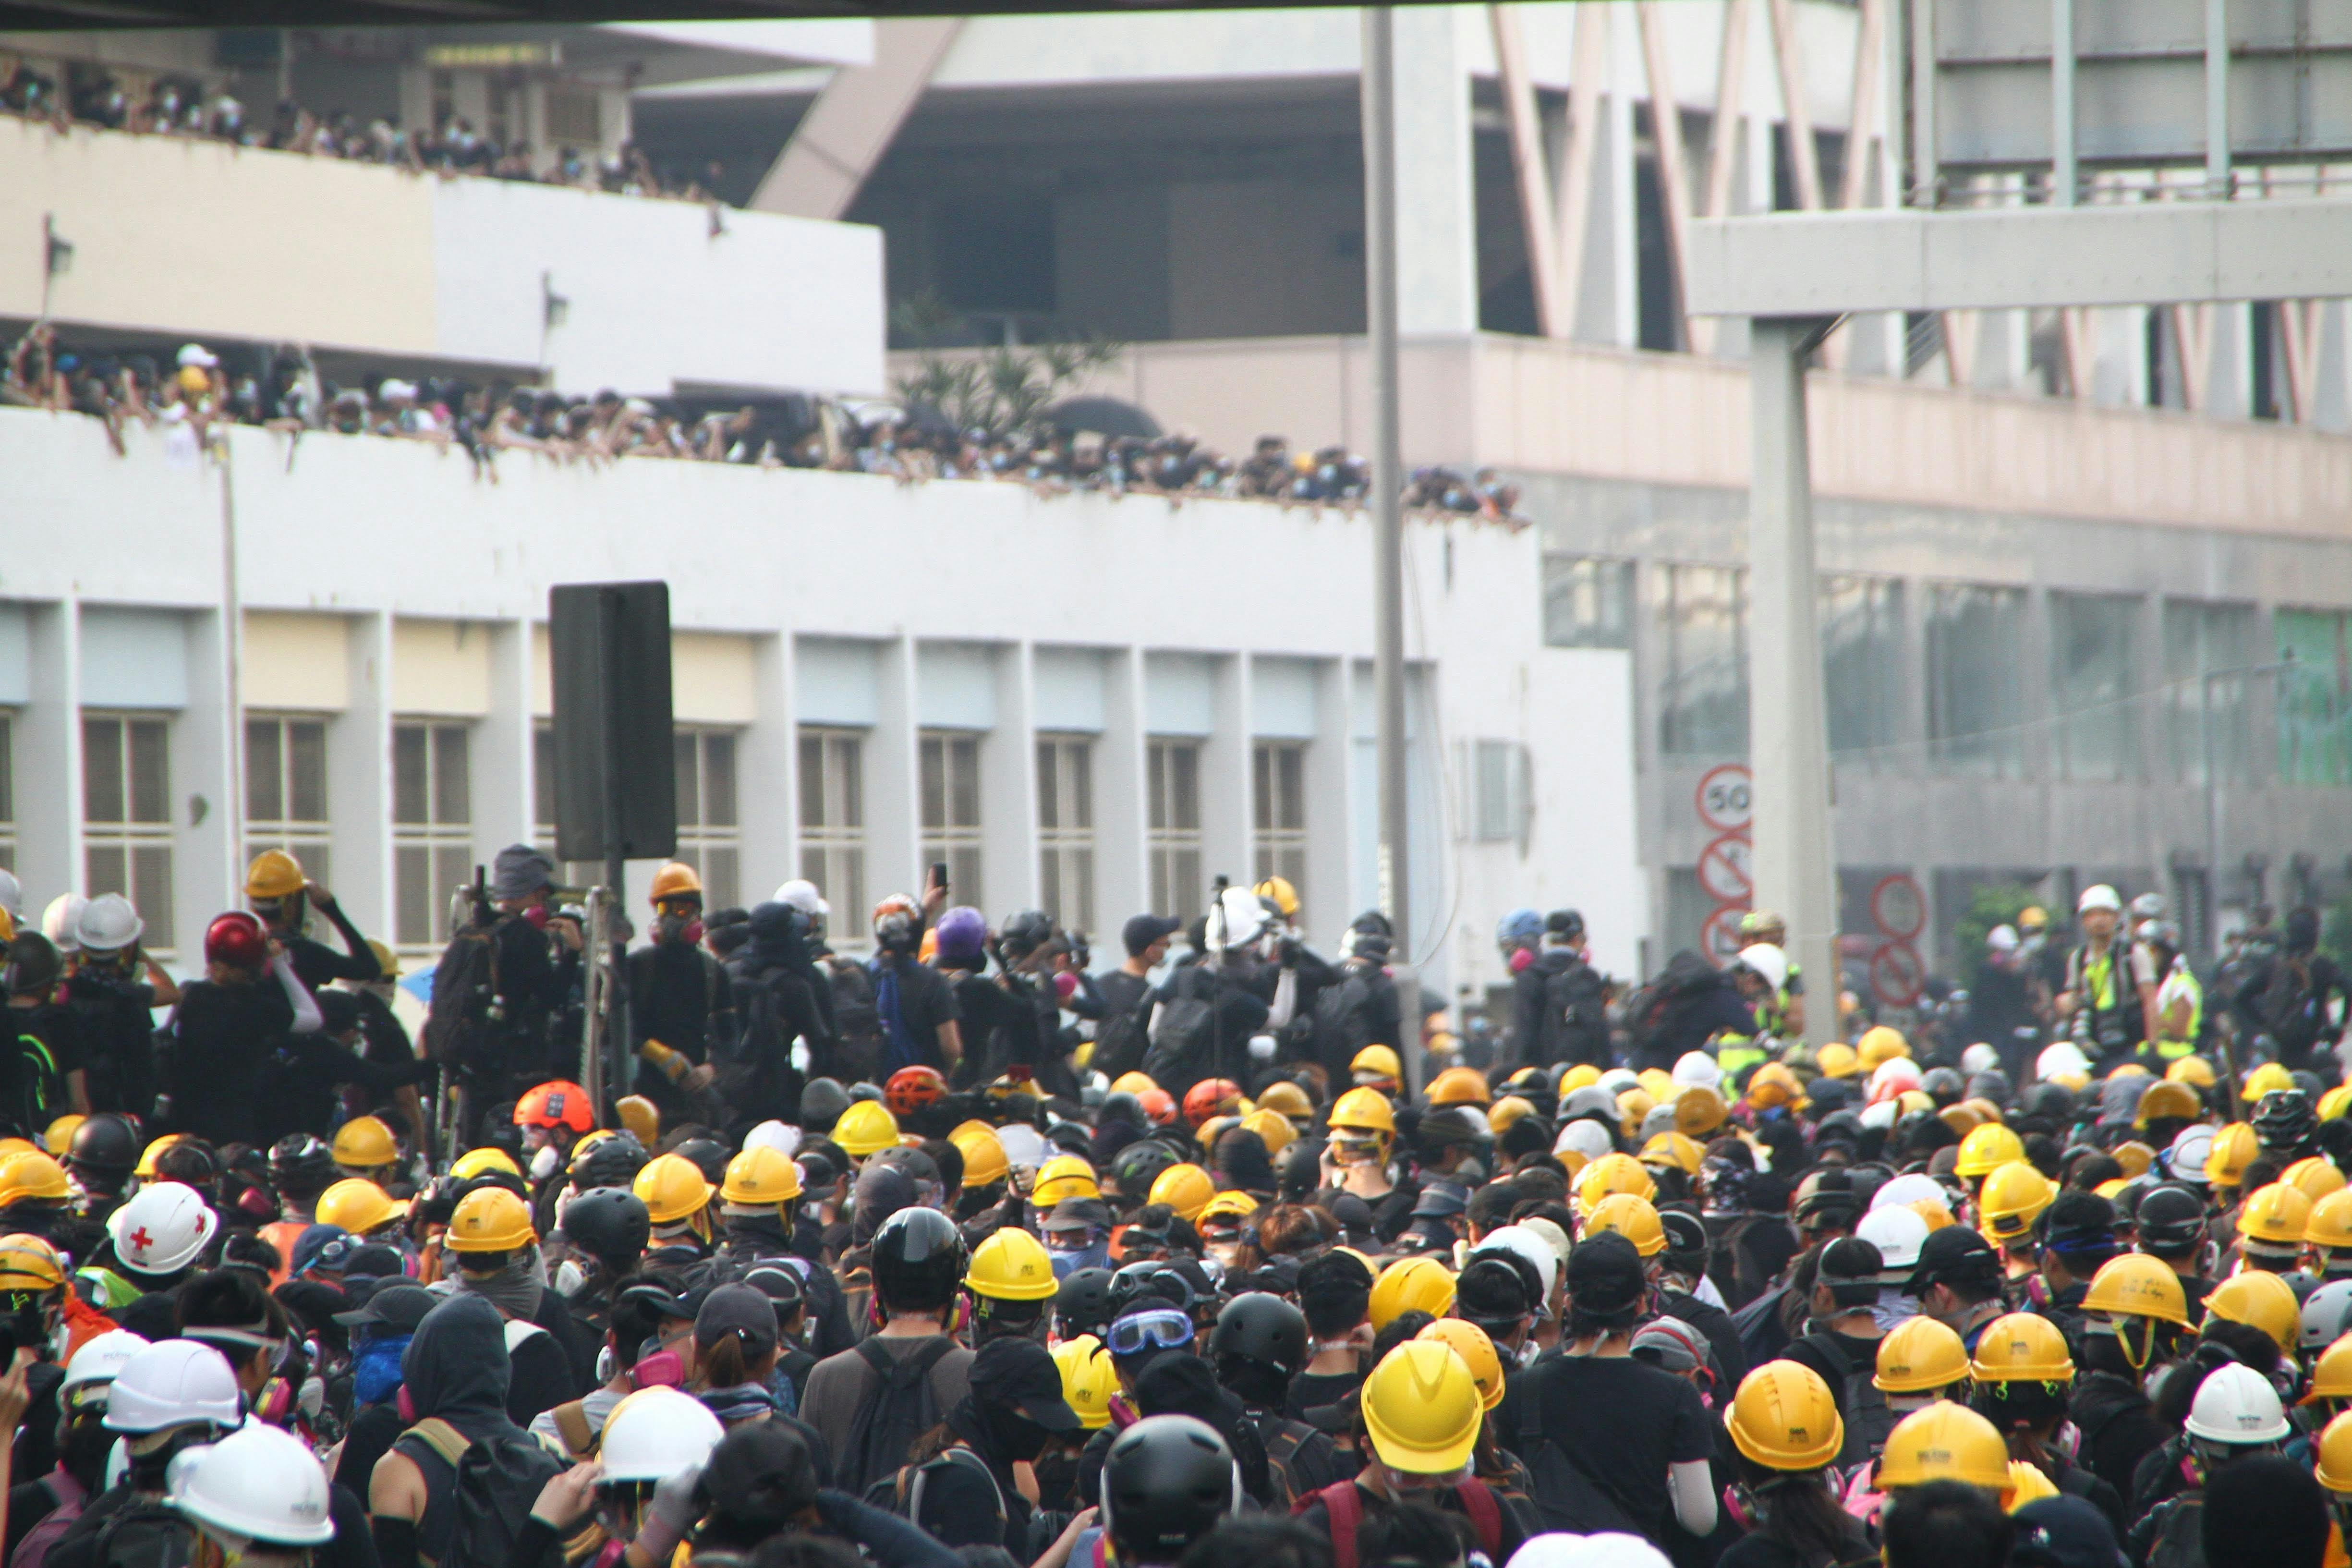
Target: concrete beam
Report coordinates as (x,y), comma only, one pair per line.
(853,121)
(1800,264)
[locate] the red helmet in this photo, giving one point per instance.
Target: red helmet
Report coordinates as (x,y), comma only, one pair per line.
(1211,1097)
(911,1088)
(555,1104)
(237,939)
(1160,1105)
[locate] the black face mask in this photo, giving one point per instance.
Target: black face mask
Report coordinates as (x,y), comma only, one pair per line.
(1022,1439)
(1057,1479)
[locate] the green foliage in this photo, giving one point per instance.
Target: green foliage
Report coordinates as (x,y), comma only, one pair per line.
(1990,904)
(998,390)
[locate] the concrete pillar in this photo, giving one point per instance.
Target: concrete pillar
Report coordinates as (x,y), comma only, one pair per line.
(2332,372)
(1330,900)
(2120,362)
(47,734)
(1614,212)
(1788,748)
(506,807)
(1437,233)
(206,876)
(2229,374)
(359,778)
(894,823)
(1122,804)
(1008,789)
(1226,829)
(767,772)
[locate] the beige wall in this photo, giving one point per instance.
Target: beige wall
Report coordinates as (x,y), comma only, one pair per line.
(711,678)
(297,662)
(441,668)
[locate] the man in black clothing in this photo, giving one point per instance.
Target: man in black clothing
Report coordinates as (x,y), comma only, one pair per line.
(1145,937)
(276,891)
(501,984)
(43,1074)
(681,1001)
(2290,995)
(112,995)
(916,1006)
(1841,1342)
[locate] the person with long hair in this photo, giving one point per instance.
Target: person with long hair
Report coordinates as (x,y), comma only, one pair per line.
(1785,1424)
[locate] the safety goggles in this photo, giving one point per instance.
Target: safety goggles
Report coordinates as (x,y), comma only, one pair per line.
(1159,1329)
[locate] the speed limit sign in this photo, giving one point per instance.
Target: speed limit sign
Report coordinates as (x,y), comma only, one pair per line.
(1896,905)
(1726,799)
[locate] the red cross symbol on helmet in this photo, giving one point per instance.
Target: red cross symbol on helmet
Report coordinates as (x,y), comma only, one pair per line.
(140,1240)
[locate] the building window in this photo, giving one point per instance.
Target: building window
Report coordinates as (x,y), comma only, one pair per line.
(2091,682)
(7,791)
(1173,815)
(832,826)
(1278,810)
(1497,791)
(709,828)
(1702,636)
(432,828)
(949,769)
(574,118)
(1862,665)
(126,812)
(286,791)
(1588,602)
(1976,680)
(1066,828)
(2315,701)
(2200,638)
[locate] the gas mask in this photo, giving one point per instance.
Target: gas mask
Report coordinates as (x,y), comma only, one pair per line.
(680,923)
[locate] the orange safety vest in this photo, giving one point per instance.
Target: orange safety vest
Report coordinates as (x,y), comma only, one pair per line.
(282,1234)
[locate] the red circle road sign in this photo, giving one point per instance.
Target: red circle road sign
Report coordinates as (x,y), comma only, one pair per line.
(1727,798)
(1719,937)
(1897,907)
(1896,975)
(1726,869)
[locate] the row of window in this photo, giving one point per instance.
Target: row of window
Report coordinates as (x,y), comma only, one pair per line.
(2107,691)
(128,823)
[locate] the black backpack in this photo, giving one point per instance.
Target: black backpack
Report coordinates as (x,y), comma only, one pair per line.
(1576,1015)
(2284,1003)
(1561,1493)
(143,1533)
(892,1418)
(467,1023)
(1343,1018)
(1862,1405)
(498,1482)
(1120,1039)
(903,1493)
(1655,1007)
(1184,1032)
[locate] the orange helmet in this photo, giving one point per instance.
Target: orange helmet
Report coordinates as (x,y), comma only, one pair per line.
(1160,1105)
(1211,1097)
(911,1088)
(555,1104)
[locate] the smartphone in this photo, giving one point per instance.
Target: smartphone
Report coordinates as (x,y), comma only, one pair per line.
(940,875)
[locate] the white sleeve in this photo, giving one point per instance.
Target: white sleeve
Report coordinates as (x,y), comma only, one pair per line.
(1286,1000)
(306,1016)
(1693,1491)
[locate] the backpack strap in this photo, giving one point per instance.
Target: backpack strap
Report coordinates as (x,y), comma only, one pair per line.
(571,1425)
(1343,1506)
(442,1438)
(1485,1513)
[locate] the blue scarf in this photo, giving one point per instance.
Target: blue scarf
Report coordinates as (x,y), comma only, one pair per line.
(898,1049)
(740,1402)
(375,1368)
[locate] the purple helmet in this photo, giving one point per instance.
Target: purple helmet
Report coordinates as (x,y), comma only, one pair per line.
(962,934)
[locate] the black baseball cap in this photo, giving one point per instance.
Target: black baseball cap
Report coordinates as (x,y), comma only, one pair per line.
(399,1308)
(740,1310)
(1604,1274)
(1019,1374)
(1142,931)
(1955,1252)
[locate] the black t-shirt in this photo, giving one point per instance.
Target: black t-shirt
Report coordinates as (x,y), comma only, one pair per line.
(1620,1420)
(926,1001)
(1120,991)
(315,964)
(1312,1391)
(1763,1552)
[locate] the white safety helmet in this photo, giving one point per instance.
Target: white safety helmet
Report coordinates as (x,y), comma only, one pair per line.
(1767,961)
(2065,1057)
(1696,1068)
(2099,896)
(1583,1136)
(2184,1161)
(1980,1057)
(61,921)
(2327,1314)
(1553,1549)
(1024,1145)
(1611,1549)
(258,1484)
(1520,1242)
(162,1229)
(1909,1189)
(1879,1117)
(782,1136)
(108,924)
(655,1433)
(174,1383)
(802,894)
(1890,1078)
(2236,1404)
(1660,1119)
(101,1359)
(1616,1081)
(1237,920)
(1899,1232)
(11,896)
(2001,938)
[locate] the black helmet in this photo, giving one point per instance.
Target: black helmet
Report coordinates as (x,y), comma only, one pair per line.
(918,1260)
(1139,1164)
(1448,1125)
(1082,1304)
(2053,1102)
(2284,1122)
(774,1279)
(1944,1085)
(609,1222)
(611,1162)
(33,964)
(1166,1482)
(1263,1329)
(823,1100)
(1152,1277)
(105,1144)
(1025,932)
(193,1163)
(865,1088)
(706,1155)
(300,1164)
(2169,1219)
(1124,1107)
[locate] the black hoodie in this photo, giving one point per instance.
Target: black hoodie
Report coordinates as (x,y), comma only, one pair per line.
(455,1370)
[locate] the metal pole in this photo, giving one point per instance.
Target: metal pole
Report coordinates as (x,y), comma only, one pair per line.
(615,1032)
(2212,815)
(2063,175)
(1388,463)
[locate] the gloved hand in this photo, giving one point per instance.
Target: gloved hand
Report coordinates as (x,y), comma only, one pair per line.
(673,1514)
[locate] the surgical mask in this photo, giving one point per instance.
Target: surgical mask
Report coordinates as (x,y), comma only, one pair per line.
(1892,1310)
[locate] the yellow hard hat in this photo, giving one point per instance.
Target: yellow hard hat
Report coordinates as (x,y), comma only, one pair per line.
(2166,1100)
(866,1128)
(641,1117)
(1583,1075)
(2315,1178)
(1477,1352)
(1945,1442)
(1785,1418)
(2011,1199)
(364,1143)
(1411,1285)
(1919,1355)
(1677,1149)
(1837,1059)
(358,1205)
(1287,1099)
(2135,1285)
(1365,1111)
(1422,1407)
(1937,1216)
(1987,1150)
(2331,1374)
(672,1187)
(1012,1266)
(1273,1128)
(2023,1347)
(2265,1301)
(31,1176)
(490,1220)
(1376,1062)
(2195,1071)
(1634,1108)
(675,880)
(29,1263)
(387,963)
(1880,1044)
(2026,1484)
(1226,1205)
(1659,1083)
(2128,1069)
(1088,1380)
(2334,1102)
(1133,1083)
(1773,1085)
(2134,1156)
(1065,1176)
(60,1136)
(1459,1086)
(145,1169)
(984,1160)
(1506,1111)
(1285,896)
(761,1177)
(1613,1174)
(2277,1214)
(1187,1189)
(2330,1224)
(274,874)
(489,1157)
(1699,1111)
(2335,1467)
(1632,1217)
(2235,1147)
(2264,1078)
